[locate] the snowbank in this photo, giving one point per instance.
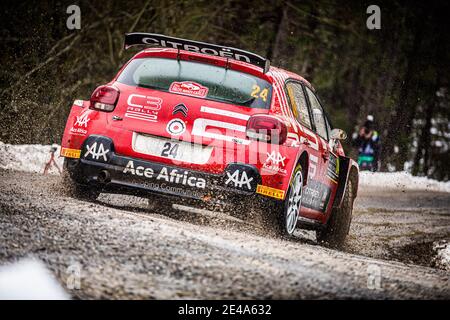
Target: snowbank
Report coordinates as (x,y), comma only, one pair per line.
(401,180)
(33,157)
(29,279)
(28,157)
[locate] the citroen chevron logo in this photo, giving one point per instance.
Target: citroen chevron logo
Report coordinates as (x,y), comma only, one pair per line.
(180,108)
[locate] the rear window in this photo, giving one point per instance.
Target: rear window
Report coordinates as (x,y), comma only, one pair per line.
(198,79)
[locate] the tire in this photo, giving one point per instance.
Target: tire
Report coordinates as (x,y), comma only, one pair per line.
(285,217)
(72,186)
(338,226)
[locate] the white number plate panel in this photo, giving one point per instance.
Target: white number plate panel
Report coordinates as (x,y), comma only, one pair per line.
(171,149)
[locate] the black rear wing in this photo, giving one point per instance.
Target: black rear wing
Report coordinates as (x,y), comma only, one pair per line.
(159,40)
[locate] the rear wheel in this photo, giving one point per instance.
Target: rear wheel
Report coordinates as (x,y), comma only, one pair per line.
(71,183)
(286,215)
(338,226)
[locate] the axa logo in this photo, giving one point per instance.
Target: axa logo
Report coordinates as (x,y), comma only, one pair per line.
(82,120)
(96,151)
(275,158)
(239,179)
(180,108)
(275,162)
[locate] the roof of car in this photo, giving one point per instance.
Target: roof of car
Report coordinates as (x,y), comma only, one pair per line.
(290,75)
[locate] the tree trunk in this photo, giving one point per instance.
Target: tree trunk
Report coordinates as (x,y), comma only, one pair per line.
(275,46)
(400,124)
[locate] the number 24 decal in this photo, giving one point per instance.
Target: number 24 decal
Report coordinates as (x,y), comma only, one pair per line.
(258,93)
(169,150)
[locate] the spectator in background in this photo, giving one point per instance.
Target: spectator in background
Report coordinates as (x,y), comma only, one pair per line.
(367,140)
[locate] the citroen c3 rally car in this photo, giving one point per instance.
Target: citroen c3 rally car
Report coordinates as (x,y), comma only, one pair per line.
(202,122)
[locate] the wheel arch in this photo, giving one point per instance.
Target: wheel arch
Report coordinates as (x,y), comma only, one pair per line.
(303,160)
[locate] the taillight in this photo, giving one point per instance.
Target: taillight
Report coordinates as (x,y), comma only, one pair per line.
(266,128)
(104,98)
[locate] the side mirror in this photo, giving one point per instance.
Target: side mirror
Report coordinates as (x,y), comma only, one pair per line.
(338,134)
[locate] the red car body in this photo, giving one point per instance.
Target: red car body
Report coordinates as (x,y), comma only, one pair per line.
(143,117)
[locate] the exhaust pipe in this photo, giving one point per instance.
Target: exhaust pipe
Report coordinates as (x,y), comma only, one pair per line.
(104,177)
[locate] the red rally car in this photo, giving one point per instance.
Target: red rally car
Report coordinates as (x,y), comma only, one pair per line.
(206,123)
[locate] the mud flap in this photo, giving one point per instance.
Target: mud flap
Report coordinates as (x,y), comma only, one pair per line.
(345,165)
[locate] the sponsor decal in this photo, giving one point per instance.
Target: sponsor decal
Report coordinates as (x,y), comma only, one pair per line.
(313,162)
(275,162)
(270,192)
(80,125)
(333,168)
(200,125)
(189,88)
(239,179)
(176,127)
(143,108)
(295,140)
(204,48)
(180,190)
(180,108)
(168,175)
(316,196)
(70,153)
(96,152)
(225,113)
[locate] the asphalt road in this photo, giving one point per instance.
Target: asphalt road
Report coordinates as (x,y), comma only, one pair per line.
(123,249)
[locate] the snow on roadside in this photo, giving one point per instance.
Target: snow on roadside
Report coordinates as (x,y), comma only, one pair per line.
(28,157)
(401,180)
(29,279)
(33,157)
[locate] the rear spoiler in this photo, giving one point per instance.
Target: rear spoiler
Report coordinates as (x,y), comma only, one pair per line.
(159,40)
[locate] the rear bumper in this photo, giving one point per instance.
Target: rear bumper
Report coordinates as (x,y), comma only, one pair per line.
(99,166)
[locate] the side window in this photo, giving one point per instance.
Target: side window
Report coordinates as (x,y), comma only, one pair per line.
(298,103)
(317,114)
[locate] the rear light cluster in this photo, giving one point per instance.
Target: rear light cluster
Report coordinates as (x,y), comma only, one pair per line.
(266,128)
(104,98)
